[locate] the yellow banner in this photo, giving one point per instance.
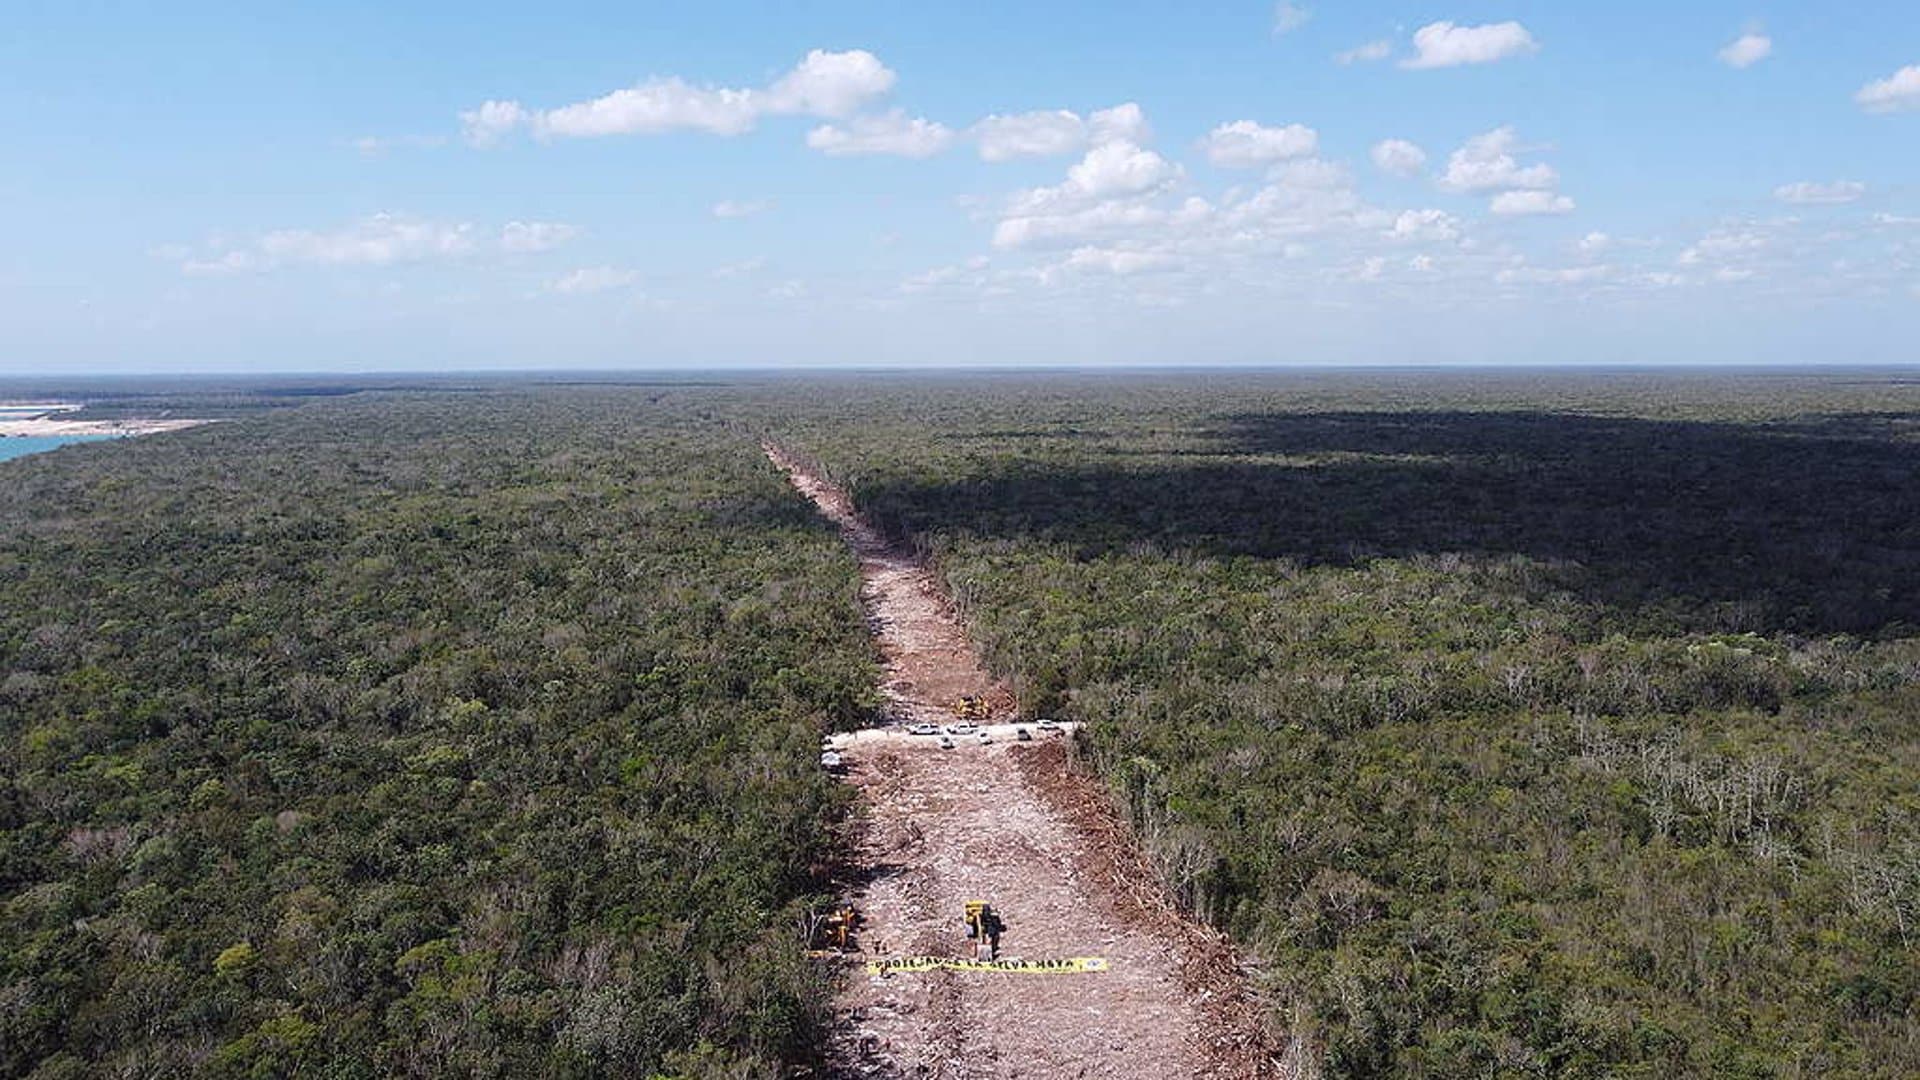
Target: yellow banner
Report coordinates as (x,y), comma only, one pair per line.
(1073,965)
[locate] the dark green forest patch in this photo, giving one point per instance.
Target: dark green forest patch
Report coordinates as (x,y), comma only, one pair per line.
(422,734)
(1523,724)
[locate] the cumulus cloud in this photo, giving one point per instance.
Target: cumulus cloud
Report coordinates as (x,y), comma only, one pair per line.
(822,84)
(1398,157)
(1368,53)
(1032,134)
(379,240)
(1122,123)
(1052,132)
(1898,92)
(1527,203)
(1486,163)
(1425,226)
(830,84)
(1747,50)
(1594,243)
(1811,194)
(1444,44)
(594,279)
(1119,168)
(1289,17)
(1107,188)
(1244,144)
(727,209)
(891,133)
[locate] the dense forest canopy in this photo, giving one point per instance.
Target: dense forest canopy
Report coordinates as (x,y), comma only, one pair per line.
(1524,724)
(1520,724)
(417,734)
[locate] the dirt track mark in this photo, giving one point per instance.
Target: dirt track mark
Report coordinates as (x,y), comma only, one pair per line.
(1010,823)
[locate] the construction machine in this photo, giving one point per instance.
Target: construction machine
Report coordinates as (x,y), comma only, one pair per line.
(983,929)
(833,932)
(972,709)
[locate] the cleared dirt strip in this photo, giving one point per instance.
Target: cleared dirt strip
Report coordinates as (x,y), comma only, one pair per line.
(1007,822)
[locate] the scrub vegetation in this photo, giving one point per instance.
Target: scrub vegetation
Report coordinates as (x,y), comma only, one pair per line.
(1517,725)
(1520,725)
(418,734)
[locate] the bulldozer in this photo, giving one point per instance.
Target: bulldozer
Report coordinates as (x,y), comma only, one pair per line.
(833,932)
(972,709)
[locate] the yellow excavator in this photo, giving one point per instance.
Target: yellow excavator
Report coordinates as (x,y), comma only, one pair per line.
(972,709)
(983,930)
(833,932)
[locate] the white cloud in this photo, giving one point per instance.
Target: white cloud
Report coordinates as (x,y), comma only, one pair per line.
(1425,226)
(1110,189)
(1033,134)
(1289,17)
(1811,194)
(788,290)
(1486,163)
(891,133)
(594,279)
(1119,168)
(1020,229)
(1398,157)
(1898,92)
(1594,243)
(379,240)
(653,107)
(1244,144)
(492,121)
(1526,203)
(824,84)
(831,84)
(1747,50)
(1048,133)
(1443,44)
(1119,262)
(524,237)
(1122,123)
(1312,174)
(1725,244)
(1540,275)
(739,208)
(1368,53)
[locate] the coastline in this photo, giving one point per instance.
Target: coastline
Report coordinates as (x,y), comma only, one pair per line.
(44,426)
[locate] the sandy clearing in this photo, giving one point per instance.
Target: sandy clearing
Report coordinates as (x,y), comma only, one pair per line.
(43,426)
(1011,823)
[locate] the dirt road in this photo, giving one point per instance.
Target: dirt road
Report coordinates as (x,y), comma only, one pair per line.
(1009,823)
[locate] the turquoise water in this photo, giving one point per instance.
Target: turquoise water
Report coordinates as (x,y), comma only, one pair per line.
(21,446)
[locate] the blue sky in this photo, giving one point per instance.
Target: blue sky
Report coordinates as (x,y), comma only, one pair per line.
(200,187)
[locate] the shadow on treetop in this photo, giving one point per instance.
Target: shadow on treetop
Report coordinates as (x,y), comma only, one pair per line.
(1808,526)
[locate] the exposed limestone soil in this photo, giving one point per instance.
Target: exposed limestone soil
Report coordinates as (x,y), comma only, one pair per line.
(1009,823)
